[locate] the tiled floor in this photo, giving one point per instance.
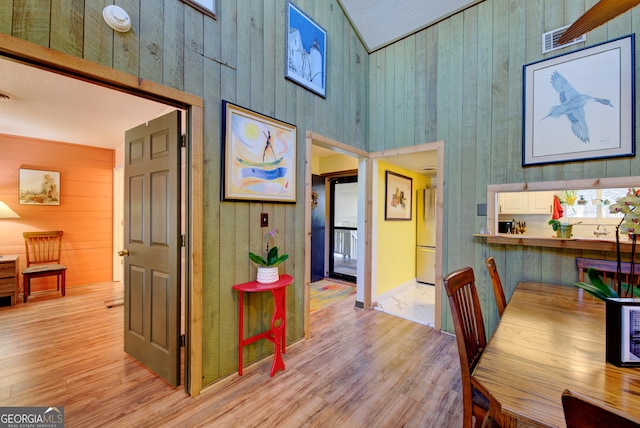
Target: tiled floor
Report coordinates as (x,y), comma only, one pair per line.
(415,302)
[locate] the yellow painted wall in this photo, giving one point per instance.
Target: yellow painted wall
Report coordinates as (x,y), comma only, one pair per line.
(334,163)
(396,240)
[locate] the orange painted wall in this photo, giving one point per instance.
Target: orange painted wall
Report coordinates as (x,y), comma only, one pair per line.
(85,213)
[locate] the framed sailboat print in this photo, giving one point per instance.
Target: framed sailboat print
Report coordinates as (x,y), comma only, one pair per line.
(259,159)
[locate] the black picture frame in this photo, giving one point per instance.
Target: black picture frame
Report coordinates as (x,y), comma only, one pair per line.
(580,105)
(398,196)
(623,332)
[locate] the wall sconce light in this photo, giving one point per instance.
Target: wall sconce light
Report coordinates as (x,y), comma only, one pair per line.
(117,18)
(6,212)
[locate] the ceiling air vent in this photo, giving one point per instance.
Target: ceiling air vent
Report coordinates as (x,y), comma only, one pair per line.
(550,40)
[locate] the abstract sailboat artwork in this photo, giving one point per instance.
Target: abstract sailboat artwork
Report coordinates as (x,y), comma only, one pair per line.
(259,156)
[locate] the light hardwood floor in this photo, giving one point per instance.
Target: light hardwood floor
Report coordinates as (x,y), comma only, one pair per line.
(360,369)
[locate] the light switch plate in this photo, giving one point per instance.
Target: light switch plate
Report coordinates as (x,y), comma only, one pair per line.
(264,220)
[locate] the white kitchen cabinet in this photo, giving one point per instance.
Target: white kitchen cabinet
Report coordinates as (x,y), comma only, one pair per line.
(540,202)
(525,202)
(513,203)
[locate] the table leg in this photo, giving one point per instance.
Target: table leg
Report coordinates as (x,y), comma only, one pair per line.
(240,330)
(278,328)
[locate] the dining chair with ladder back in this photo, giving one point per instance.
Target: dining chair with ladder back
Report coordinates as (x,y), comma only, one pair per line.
(471,340)
(583,412)
(43,259)
(501,301)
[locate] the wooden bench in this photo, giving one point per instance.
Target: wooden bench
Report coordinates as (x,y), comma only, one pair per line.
(608,270)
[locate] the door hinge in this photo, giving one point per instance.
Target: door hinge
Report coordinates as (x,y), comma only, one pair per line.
(183,140)
(183,340)
(183,241)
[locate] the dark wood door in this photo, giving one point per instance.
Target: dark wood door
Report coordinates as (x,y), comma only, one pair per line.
(152,239)
(318,223)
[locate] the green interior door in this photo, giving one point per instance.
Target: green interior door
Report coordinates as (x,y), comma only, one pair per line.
(152,246)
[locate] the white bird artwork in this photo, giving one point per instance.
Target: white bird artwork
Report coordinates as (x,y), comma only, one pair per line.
(572,105)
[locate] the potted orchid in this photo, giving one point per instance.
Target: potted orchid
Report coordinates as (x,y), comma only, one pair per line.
(629,225)
(268,268)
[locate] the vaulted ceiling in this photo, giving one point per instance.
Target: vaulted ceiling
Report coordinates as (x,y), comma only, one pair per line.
(380,23)
(45,105)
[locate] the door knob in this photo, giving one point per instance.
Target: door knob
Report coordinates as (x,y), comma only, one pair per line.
(123,253)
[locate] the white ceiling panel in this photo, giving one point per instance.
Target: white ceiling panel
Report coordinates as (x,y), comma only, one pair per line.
(383,22)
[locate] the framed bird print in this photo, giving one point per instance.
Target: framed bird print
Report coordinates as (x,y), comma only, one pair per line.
(580,105)
(259,159)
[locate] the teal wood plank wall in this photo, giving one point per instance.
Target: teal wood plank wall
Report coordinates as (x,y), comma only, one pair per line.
(240,58)
(460,81)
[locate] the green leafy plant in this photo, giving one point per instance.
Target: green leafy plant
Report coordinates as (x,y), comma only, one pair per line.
(273,259)
(599,289)
(555,224)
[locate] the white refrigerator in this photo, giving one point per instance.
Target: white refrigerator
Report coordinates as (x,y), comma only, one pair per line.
(426,236)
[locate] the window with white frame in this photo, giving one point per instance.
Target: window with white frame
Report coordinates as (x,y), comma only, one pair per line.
(593,204)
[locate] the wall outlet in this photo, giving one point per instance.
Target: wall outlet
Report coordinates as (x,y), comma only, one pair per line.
(264,220)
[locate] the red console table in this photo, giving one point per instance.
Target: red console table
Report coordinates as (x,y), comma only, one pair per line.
(276,334)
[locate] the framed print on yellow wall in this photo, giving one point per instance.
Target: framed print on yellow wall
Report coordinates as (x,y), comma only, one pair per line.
(398,197)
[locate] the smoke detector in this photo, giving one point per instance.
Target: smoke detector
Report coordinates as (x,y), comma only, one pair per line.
(117,18)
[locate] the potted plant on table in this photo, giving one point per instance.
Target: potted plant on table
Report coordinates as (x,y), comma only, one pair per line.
(268,268)
(563,230)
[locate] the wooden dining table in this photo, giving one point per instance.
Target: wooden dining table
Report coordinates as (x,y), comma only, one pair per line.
(551,338)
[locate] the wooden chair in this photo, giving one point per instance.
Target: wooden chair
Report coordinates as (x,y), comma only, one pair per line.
(471,340)
(43,259)
(608,270)
(501,301)
(582,412)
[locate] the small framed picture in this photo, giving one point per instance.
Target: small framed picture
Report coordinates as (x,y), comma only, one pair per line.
(398,195)
(39,187)
(306,51)
(623,332)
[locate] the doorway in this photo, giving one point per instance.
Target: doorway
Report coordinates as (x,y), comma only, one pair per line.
(98,76)
(318,225)
(343,230)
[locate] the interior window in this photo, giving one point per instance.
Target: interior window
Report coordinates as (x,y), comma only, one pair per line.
(593,204)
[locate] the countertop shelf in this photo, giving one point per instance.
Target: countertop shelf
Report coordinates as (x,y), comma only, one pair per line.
(578,243)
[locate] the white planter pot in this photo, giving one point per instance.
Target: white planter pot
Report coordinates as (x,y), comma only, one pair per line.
(268,274)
